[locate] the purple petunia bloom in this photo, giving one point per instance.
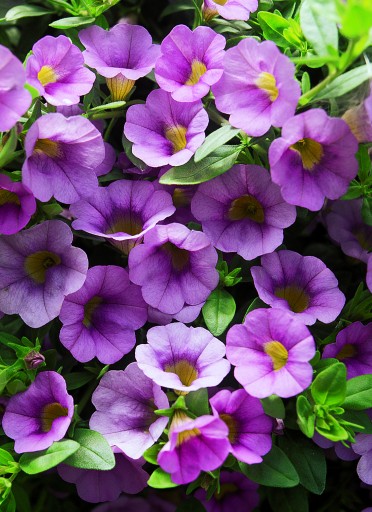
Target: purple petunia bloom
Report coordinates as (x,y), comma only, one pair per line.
(96,486)
(187,261)
(38,268)
(271,352)
(17,205)
(40,415)
(353,347)
(369,273)
(186,315)
(56,69)
(300,284)
(182,358)
(237,493)
(242,211)
(190,62)
(164,131)
(359,120)
(122,55)
(99,319)
(14,99)
(313,159)
(62,155)
(193,446)
(151,503)
(122,212)
(229,9)
(249,427)
(125,401)
(363,447)
(346,226)
(257,88)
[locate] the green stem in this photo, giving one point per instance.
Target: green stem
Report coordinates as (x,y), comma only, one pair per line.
(108,131)
(107,115)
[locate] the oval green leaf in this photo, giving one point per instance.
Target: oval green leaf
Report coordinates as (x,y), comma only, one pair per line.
(94,451)
(37,462)
(218,311)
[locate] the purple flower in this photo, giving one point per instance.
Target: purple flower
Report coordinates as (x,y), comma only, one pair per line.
(182,358)
(17,205)
(164,131)
(249,427)
(345,226)
(125,401)
(62,155)
(99,319)
(33,360)
(122,55)
(187,261)
(134,504)
(257,88)
(313,159)
(353,347)
(122,212)
(38,268)
(271,352)
(300,284)
(186,315)
(96,486)
(56,69)
(181,197)
(363,447)
(359,120)
(242,211)
(40,415)
(369,273)
(14,99)
(237,493)
(190,62)
(229,9)
(193,446)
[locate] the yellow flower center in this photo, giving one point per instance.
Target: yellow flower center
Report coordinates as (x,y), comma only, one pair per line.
(310,151)
(49,147)
(47,75)
(7,197)
(184,370)
(181,198)
(51,412)
(37,264)
(277,352)
(119,87)
(232,425)
(177,137)
(266,82)
(347,351)
(90,308)
(180,257)
(198,69)
(295,296)
(129,225)
(246,207)
(220,2)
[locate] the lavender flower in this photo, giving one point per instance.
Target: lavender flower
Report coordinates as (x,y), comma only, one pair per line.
(363,447)
(229,9)
(17,205)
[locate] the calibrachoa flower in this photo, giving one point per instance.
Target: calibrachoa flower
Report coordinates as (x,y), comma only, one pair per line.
(346,226)
(187,261)
(257,88)
(96,486)
(134,504)
(354,348)
(186,315)
(182,358)
(38,268)
(56,69)
(14,99)
(190,62)
(237,493)
(363,447)
(271,352)
(229,9)
(122,212)
(194,446)
(242,211)
(300,284)
(249,427)
(122,55)
(40,415)
(164,131)
(125,401)
(359,120)
(99,319)
(313,159)
(61,157)
(17,205)
(369,273)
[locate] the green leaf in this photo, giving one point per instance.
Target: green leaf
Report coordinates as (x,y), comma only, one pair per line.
(308,459)
(329,386)
(77,379)
(359,393)
(191,505)
(318,26)
(356,18)
(25,11)
(330,428)
(9,505)
(367,210)
(176,8)
(5,457)
(37,462)
(272,27)
(365,164)
(276,470)
(108,106)
(191,173)
(197,402)
(346,82)
(305,416)
(273,406)
(94,451)
(218,311)
(7,151)
(160,480)
(255,304)
(151,454)
(288,500)
(214,141)
(73,22)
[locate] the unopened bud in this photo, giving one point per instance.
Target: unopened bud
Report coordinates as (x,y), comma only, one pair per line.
(33,360)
